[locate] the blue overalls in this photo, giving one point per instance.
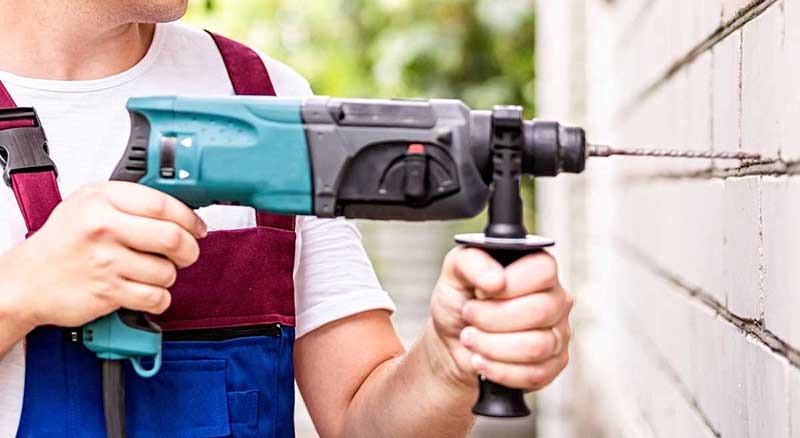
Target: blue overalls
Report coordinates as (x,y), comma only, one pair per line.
(229,333)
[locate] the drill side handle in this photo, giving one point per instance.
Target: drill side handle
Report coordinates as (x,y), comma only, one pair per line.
(494,399)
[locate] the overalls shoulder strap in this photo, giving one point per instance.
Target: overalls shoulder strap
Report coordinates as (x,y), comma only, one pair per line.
(246,69)
(36,191)
(249,76)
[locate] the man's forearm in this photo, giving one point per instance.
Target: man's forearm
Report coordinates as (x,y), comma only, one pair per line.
(413,395)
(11,331)
(14,324)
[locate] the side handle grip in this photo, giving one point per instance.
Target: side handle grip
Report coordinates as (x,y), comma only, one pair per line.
(495,400)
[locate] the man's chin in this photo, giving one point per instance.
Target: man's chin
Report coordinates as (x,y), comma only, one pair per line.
(158,11)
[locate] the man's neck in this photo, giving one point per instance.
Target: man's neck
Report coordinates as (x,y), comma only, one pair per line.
(69,44)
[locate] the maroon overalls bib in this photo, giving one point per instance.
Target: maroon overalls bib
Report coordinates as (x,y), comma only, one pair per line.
(228,334)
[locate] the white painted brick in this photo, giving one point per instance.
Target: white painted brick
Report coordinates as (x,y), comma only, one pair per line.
(754,396)
(730,8)
(698,107)
(726,93)
(781,256)
(704,244)
(707,16)
(791,86)
(762,81)
(766,392)
(670,328)
(737,382)
(733,421)
(669,412)
(711,355)
(794,401)
(681,25)
(690,232)
(683,114)
(661,341)
(741,254)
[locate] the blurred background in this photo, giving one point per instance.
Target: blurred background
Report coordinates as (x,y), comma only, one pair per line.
(481,51)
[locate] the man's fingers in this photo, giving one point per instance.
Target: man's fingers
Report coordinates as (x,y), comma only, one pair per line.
(140,200)
(147,268)
(533,273)
(528,347)
(528,312)
(467,268)
(143,297)
(528,377)
(157,237)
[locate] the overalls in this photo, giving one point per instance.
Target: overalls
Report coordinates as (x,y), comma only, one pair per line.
(229,333)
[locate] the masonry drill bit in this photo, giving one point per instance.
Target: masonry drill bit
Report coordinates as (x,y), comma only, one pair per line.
(593,150)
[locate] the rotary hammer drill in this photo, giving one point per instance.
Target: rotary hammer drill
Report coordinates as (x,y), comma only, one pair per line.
(407,160)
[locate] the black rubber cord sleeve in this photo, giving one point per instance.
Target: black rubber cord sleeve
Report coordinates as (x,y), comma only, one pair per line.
(114,398)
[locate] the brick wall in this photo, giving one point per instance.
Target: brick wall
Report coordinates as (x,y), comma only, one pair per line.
(687,274)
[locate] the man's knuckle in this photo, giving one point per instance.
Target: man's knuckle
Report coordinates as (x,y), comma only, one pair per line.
(539,313)
(479,343)
(567,333)
(102,290)
(452,256)
(547,309)
(475,258)
(475,316)
(171,238)
(169,274)
(95,228)
(99,308)
(92,191)
(549,268)
(153,299)
(498,374)
(569,300)
(158,207)
(165,303)
(536,377)
(194,249)
(538,348)
(95,220)
(101,259)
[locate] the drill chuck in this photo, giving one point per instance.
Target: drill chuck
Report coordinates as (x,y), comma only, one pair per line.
(551,148)
(548,148)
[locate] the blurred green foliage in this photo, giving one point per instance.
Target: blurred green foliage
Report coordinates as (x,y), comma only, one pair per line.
(477,50)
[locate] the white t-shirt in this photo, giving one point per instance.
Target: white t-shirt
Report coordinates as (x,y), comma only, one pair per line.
(87,127)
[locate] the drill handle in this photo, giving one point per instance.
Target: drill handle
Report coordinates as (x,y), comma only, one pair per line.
(495,400)
(128,334)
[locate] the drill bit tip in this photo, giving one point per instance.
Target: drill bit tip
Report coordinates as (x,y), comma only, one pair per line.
(607,151)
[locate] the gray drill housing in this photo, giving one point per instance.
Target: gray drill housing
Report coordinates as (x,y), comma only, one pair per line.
(344,133)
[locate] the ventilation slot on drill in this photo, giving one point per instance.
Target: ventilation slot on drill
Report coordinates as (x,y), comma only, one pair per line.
(133,165)
(137,159)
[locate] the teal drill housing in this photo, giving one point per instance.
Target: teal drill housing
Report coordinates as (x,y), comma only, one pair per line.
(236,150)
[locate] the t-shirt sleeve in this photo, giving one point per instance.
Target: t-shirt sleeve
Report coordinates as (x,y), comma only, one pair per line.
(285,80)
(334,278)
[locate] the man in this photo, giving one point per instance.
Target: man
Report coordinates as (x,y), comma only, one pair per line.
(77,63)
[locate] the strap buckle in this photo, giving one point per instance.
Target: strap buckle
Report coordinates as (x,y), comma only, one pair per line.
(23,144)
